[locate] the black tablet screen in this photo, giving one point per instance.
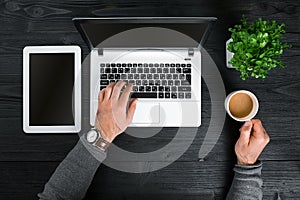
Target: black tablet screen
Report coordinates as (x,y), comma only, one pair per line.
(51,81)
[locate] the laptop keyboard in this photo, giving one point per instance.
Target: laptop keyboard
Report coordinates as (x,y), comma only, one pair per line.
(150,80)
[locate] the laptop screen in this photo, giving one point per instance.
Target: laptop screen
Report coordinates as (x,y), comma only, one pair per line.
(141,33)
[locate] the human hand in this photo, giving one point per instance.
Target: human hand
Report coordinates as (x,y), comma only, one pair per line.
(251,142)
(113,117)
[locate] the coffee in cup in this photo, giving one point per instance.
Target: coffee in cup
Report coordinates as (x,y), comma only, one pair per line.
(241,105)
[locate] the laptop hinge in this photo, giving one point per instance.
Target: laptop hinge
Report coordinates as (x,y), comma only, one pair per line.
(191,52)
(100,52)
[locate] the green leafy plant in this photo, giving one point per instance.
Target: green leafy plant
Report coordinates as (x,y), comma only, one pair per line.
(257,47)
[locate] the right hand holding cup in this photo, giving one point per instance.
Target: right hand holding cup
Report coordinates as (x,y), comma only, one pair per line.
(253,139)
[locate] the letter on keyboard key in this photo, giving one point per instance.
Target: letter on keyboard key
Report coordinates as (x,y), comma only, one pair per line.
(184,89)
(143,95)
(104,82)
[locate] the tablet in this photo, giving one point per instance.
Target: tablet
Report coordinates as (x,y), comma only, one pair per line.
(51,89)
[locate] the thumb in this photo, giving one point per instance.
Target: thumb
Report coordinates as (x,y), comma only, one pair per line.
(245,131)
(131,109)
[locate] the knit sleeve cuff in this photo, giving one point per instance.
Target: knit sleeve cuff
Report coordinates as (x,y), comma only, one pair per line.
(249,169)
(94,151)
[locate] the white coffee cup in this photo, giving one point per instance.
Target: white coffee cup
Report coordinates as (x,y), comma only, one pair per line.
(252,112)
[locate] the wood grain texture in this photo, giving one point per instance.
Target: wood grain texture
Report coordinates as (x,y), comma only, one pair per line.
(27,161)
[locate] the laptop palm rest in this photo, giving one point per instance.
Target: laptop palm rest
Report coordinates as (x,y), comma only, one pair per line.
(146,113)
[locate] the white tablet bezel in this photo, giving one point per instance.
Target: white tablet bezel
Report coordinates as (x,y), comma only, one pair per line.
(77,89)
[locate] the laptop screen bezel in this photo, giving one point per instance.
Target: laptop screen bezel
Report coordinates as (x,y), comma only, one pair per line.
(208,20)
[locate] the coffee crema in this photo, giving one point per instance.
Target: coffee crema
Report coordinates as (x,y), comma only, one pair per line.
(240,105)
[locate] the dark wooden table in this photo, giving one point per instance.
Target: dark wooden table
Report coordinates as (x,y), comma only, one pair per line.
(27,161)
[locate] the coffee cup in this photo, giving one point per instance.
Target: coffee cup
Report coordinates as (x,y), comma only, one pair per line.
(241,105)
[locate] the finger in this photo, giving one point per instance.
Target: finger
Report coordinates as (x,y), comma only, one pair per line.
(116,90)
(125,94)
(101,95)
(131,109)
(258,129)
(245,132)
(108,91)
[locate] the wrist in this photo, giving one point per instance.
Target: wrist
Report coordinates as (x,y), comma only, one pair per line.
(105,134)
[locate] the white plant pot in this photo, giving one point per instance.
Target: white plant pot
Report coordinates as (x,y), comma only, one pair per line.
(229,55)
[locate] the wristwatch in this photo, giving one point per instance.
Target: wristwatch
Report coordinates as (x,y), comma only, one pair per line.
(94,137)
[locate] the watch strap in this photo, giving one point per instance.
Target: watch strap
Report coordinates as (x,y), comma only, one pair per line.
(100,142)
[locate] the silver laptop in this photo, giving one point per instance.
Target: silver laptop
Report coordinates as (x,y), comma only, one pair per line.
(160,56)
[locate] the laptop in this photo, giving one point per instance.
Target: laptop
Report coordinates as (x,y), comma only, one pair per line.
(160,56)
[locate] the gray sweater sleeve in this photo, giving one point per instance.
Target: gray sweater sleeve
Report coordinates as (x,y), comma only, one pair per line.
(75,173)
(247,183)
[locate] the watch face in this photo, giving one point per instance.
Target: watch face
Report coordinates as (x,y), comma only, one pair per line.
(91,136)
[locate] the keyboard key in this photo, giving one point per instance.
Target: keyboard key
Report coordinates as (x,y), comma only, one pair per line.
(161,65)
(167,89)
(170,82)
(156,76)
(136,76)
(185,82)
(130,76)
(164,82)
(154,88)
(129,65)
(104,82)
(138,82)
(187,70)
(126,70)
(160,95)
(117,76)
(146,70)
(166,70)
(120,70)
(157,82)
(140,65)
(123,65)
(174,95)
(123,76)
(101,70)
(145,65)
(156,65)
(153,70)
(111,76)
(183,65)
(188,95)
(112,64)
(133,70)
(107,70)
(132,82)
(151,82)
(159,70)
(102,65)
(167,95)
(140,70)
(112,81)
(102,87)
(162,76)
(184,89)
(167,65)
(189,65)
(161,88)
(188,77)
(174,89)
(143,95)
(180,95)
(172,70)
(103,76)
(177,65)
(143,76)
(169,76)
(150,65)
(119,65)
(107,65)
(175,76)
(114,70)
(144,82)
(148,88)
(134,65)
(177,82)
(181,76)
(141,88)
(149,76)
(178,70)
(172,65)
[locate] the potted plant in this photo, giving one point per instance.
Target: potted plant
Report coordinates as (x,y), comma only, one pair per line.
(256,48)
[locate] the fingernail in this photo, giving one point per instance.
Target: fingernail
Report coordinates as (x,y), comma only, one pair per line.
(248,123)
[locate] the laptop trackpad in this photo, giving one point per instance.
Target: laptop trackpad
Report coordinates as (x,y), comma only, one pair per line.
(146,113)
